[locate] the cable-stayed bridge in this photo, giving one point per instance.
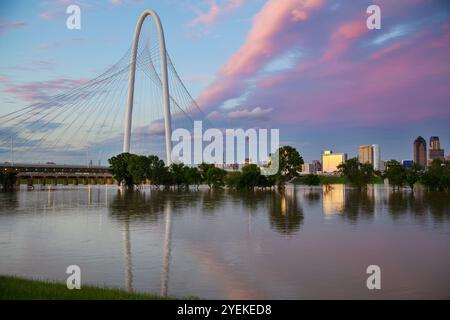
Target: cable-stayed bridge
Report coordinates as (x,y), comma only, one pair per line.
(132,106)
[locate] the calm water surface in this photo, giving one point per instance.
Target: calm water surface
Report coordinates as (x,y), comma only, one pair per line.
(303,243)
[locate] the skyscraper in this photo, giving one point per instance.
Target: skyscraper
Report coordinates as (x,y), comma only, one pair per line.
(376,157)
(435,151)
(420,152)
(365,154)
(370,153)
(434,143)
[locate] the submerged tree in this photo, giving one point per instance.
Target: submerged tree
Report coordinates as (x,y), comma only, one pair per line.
(358,174)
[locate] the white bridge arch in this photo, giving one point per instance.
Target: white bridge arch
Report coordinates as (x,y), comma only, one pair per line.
(164,79)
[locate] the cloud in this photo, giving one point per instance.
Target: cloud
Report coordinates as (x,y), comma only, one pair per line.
(12,25)
(272,34)
(255,114)
(40,90)
(215,12)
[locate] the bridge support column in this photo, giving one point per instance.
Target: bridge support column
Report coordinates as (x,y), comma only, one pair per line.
(164,80)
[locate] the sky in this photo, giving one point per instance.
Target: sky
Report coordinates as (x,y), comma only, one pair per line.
(311,68)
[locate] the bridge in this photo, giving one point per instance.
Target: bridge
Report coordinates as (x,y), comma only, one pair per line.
(131,107)
(53,174)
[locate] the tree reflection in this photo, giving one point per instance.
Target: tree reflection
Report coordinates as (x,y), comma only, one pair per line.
(359,203)
(286,215)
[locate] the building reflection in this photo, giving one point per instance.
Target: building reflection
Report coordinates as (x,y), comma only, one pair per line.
(333,199)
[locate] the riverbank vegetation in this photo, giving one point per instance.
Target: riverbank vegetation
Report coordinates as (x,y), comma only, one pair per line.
(7,180)
(133,170)
(435,178)
(14,288)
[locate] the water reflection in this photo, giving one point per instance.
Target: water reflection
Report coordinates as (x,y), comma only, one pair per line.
(333,199)
(286,214)
(227,244)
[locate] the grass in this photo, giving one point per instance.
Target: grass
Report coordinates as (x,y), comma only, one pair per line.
(15,288)
(335,180)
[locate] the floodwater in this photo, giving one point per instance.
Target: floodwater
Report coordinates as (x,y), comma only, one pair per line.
(305,243)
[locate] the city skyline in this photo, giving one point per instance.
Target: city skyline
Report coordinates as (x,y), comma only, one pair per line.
(211,51)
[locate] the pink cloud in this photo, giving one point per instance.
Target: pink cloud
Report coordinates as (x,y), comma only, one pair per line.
(34,91)
(394,84)
(215,11)
(343,36)
(268,37)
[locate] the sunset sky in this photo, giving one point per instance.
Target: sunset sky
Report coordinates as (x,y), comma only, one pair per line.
(308,67)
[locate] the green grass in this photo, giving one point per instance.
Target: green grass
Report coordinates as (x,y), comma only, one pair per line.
(14,288)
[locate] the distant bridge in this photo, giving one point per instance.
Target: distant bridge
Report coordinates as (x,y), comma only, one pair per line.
(53,174)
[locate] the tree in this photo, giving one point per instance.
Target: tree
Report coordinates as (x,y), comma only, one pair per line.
(137,168)
(192,176)
(8,180)
(412,175)
(290,163)
(214,177)
(232,180)
(177,172)
(437,176)
(156,169)
(395,173)
(119,167)
(358,174)
(250,177)
(311,180)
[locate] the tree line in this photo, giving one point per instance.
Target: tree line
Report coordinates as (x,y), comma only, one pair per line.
(8,180)
(435,177)
(133,170)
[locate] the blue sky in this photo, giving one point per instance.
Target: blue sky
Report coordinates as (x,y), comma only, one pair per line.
(308,67)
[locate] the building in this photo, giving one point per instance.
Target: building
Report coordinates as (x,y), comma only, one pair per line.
(308,168)
(435,151)
(318,165)
(370,153)
(447,158)
(377,165)
(365,154)
(407,163)
(330,161)
(420,152)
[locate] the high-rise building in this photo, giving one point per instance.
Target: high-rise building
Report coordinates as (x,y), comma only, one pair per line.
(376,157)
(420,152)
(371,154)
(365,154)
(434,143)
(435,151)
(330,161)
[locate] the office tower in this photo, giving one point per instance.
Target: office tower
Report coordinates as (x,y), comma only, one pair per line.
(330,161)
(435,151)
(376,157)
(420,152)
(365,154)
(434,143)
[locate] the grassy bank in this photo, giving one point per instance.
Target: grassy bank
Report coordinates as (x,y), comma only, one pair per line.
(14,288)
(334,180)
